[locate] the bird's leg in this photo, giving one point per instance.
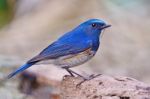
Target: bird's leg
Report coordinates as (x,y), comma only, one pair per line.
(89,78)
(76,73)
(85,78)
(67,69)
(71,72)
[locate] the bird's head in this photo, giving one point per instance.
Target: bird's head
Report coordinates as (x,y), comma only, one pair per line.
(93,26)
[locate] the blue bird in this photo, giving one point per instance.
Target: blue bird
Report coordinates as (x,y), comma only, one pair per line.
(72,49)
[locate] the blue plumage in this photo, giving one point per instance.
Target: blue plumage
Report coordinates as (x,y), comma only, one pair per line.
(78,46)
(22,68)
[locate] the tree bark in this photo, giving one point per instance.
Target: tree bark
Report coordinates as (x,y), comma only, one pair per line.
(104,87)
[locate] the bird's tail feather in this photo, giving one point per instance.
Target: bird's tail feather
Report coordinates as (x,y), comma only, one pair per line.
(20,69)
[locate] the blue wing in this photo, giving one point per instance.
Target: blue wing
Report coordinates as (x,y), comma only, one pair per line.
(58,49)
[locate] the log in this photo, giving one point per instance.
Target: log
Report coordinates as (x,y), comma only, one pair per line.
(104,87)
(41,82)
(49,83)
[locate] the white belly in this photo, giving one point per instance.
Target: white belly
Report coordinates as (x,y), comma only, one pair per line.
(74,60)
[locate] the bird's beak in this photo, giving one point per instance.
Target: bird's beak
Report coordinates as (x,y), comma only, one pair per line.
(105,26)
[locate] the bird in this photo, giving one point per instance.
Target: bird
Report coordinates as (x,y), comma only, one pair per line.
(71,49)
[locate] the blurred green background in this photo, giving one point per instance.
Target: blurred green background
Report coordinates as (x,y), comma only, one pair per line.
(28,26)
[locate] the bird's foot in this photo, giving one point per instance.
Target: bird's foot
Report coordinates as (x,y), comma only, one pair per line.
(72,73)
(87,79)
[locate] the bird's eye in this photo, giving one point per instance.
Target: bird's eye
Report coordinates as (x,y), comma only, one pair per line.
(93,25)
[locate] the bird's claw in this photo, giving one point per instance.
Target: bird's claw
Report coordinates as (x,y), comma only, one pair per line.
(88,78)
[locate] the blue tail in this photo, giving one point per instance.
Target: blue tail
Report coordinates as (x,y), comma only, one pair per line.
(20,69)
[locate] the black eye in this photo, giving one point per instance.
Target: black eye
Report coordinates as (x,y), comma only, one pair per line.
(93,25)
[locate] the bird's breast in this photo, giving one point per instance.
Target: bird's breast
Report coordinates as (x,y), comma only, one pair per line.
(76,59)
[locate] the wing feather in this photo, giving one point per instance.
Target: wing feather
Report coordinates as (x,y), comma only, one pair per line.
(56,50)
